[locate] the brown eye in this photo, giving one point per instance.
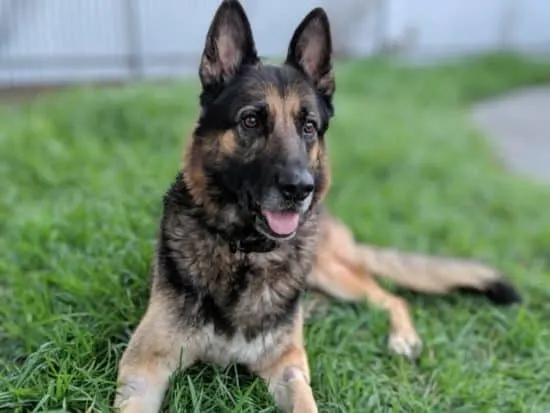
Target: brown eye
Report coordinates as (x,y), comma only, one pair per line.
(250,121)
(309,127)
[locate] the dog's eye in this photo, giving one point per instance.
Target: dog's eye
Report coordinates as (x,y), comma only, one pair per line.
(309,128)
(250,121)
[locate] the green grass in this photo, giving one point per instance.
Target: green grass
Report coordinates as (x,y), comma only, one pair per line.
(82,178)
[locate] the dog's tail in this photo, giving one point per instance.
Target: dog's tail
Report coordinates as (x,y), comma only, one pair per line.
(437,275)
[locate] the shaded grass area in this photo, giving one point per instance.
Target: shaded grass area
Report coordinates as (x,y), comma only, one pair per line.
(83,175)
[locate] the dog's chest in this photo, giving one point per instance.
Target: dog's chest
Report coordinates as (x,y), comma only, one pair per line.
(253,294)
(259,309)
(223,350)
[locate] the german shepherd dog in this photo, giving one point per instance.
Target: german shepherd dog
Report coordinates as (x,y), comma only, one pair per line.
(244,232)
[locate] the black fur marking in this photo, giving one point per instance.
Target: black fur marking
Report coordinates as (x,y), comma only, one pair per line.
(198,306)
(243,273)
(284,315)
(206,295)
(500,292)
(503,293)
(171,273)
(213,313)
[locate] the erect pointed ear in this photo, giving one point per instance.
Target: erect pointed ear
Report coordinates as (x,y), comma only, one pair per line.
(229,45)
(310,50)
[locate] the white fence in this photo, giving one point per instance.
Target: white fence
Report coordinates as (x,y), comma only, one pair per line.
(58,41)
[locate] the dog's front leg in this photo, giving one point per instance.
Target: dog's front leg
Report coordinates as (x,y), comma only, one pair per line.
(288,382)
(287,376)
(154,352)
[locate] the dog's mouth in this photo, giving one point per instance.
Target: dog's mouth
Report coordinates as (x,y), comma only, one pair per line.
(278,225)
(282,223)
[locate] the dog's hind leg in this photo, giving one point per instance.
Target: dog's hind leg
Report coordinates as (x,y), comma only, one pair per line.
(339,272)
(339,281)
(153,354)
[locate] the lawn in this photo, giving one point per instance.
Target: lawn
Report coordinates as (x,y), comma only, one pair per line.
(82,177)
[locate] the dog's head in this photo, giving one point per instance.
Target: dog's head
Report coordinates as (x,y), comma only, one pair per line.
(258,151)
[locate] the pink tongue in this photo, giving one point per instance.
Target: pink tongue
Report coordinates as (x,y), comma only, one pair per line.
(282,223)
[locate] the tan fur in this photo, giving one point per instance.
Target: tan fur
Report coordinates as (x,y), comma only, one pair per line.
(155,350)
(425,273)
(194,177)
(228,143)
(314,156)
(339,272)
(284,107)
(288,376)
(324,166)
(345,269)
(158,348)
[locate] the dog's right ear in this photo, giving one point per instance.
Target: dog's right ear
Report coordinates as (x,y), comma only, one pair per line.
(229,45)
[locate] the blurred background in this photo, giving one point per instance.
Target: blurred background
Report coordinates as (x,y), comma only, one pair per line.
(422,87)
(43,43)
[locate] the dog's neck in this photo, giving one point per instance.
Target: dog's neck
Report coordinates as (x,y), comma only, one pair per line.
(240,238)
(244,241)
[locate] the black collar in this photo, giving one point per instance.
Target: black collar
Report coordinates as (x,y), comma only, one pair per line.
(257,243)
(245,241)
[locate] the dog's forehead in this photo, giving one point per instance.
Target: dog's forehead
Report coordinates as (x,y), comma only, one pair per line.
(279,86)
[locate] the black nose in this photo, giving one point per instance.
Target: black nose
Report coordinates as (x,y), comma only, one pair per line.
(296,184)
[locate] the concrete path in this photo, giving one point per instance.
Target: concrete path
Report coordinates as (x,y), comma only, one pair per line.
(518,125)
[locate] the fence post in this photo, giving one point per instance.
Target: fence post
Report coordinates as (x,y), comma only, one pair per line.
(133,39)
(381,25)
(508,19)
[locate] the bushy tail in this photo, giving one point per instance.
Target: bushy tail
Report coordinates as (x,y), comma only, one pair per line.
(438,275)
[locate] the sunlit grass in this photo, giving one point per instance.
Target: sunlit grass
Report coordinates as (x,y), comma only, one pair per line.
(83,174)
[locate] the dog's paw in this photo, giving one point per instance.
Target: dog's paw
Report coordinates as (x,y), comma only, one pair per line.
(405,344)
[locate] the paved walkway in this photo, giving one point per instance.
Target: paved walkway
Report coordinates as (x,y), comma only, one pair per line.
(518,125)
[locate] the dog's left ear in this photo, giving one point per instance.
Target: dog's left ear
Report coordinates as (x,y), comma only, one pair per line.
(229,45)
(310,51)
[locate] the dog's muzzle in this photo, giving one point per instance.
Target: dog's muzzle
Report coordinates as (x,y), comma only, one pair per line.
(285,203)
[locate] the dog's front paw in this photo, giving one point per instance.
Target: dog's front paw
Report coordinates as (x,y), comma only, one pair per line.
(405,344)
(306,409)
